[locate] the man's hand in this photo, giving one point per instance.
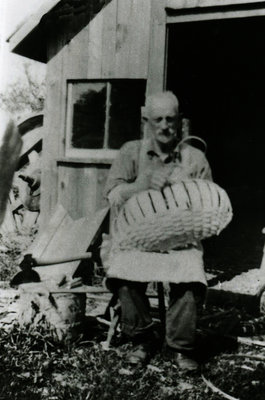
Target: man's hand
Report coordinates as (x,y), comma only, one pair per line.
(143,181)
(177,175)
(152,178)
(159,179)
(124,191)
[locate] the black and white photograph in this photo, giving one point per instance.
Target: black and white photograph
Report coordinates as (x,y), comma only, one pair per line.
(132,199)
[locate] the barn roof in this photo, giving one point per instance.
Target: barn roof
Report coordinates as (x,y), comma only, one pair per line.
(28,39)
(67,17)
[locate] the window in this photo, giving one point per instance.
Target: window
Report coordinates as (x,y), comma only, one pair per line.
(103,114)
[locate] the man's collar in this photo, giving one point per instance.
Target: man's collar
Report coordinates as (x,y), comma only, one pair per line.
(153,150)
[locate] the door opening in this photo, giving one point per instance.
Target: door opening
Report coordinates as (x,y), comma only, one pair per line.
(217,70)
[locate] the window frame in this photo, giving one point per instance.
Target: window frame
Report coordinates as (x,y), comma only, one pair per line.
(95,155)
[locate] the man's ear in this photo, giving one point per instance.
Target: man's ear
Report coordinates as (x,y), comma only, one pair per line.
(144,114)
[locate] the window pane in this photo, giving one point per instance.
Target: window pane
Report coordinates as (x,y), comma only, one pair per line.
(89,111)
(127,97)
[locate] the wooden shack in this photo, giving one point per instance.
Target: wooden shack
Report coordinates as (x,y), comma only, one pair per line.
(104,56)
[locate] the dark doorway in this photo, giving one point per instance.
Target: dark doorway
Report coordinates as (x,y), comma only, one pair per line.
(217,70)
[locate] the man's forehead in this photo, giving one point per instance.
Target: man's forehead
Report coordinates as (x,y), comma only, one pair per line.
(163,106)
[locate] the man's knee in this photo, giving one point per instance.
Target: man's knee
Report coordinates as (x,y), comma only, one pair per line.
(193,292)
(114,285)
(134,290)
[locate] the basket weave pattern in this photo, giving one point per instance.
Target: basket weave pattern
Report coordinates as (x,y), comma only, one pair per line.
(180,214)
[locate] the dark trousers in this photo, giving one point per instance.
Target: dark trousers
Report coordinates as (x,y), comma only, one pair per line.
(181,316)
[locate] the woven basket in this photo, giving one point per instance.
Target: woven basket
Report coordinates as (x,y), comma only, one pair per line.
(178,215)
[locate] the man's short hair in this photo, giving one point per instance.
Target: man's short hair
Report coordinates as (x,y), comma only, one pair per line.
(150,100)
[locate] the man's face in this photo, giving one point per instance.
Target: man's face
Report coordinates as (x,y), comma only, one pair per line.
(163,121)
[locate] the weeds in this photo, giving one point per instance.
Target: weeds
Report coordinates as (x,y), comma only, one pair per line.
(12,246)
(34,366)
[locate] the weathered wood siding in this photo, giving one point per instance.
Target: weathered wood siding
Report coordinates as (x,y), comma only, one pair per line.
(81,187)
(115,44)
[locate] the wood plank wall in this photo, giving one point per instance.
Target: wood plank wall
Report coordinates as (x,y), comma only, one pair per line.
(157,57)
(115,44)
(81,187)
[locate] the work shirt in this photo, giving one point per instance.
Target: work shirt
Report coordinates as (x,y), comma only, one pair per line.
(176,266)
(190,162)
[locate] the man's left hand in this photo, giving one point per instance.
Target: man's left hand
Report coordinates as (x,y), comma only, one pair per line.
(159,179)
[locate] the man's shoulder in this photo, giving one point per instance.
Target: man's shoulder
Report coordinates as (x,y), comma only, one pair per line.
(131,146)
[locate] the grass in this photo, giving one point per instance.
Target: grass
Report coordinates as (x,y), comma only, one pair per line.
(12,246)
(33,366)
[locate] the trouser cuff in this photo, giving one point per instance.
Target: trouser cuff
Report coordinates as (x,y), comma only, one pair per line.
(134,332)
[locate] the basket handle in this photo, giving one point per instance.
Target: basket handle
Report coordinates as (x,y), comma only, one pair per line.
(185,139)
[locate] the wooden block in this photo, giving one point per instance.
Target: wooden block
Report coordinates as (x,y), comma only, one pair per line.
(62,312)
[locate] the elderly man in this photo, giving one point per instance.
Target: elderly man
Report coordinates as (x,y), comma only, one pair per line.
(152,163)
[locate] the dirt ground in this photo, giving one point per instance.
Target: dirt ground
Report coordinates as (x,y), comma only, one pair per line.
(35,366)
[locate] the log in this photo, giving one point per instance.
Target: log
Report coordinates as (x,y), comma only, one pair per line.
(62,314)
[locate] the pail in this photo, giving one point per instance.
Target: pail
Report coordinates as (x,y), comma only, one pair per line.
(61,313)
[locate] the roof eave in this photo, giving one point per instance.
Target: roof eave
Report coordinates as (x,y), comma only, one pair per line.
(28,40)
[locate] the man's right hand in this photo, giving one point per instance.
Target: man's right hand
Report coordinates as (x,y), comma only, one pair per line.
(149,179)
(143,181)
(124,191)
(159,179)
